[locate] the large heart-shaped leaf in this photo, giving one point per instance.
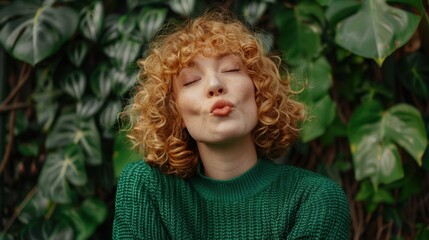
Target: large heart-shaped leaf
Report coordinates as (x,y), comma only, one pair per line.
(376,30)
(87,217)
(321,114)
(417,4)
(151,20)
(32,32)
(340,10)
(92,17)
(373,135)
(71,129)
(61,167)
(413,71)
(324,2)
(315,80)
(302,41)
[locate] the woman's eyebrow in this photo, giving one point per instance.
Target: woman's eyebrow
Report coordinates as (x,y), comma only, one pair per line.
(225,55)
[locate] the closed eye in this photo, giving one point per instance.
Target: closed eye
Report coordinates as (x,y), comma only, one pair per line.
(232,70)
(187,83)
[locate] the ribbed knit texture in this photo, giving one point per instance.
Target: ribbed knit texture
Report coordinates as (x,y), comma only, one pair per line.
(267,202)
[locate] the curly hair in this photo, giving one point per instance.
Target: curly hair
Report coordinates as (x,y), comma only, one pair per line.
(156,127)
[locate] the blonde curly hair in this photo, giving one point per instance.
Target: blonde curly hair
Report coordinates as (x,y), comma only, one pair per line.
(156,128)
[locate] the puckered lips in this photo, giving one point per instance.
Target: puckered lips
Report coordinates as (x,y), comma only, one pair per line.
(221,108)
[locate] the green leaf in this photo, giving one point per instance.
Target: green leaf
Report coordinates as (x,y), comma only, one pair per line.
(383,196)
(324,2)
(74,84)
(301,34)
(150,21)
(6,236)
(253,11)
(321,115)
(366,191)
(373,133)
(267,41)
(405,126)
(88,107)
(376,30)
(31,33)
(110,31)
(87,217)
(417,4)
(123,153)
(71,129)
(423,232)
(132,4)
(51,229)
(124,52)
(28,149)
(413,71)
(36,208)
(182,7)
(316,76)
(21,123)
(45,97)
(77,52)
(122,81)
(317,79)
(339,10)
(126,24)
(62,166)
(101,81)
(91,22)
(109,115)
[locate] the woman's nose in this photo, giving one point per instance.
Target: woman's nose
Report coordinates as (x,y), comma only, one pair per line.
(216,87)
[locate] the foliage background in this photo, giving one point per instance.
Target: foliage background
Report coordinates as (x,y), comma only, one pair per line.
(67,67)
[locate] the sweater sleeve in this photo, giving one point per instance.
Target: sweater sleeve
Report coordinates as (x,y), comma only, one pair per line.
(136,214)
(323,214)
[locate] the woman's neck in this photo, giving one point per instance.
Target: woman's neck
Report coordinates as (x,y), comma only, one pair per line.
(229,160)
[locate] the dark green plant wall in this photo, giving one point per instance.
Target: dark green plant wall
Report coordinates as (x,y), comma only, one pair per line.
(67,67)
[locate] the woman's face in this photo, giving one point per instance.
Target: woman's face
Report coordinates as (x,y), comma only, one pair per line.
(216,99)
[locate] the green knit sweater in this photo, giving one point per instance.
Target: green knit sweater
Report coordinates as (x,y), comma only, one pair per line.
(268,201)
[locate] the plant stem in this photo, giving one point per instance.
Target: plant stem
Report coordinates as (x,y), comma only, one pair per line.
(23,77)
(14,107)
(9,145)
(20,207)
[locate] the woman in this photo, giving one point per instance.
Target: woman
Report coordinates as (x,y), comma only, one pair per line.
(210,112)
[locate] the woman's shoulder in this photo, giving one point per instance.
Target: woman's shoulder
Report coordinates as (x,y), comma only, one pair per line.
(139,175)
(310,183)
(320,204)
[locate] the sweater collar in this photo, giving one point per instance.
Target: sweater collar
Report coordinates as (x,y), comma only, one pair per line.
(248,184)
